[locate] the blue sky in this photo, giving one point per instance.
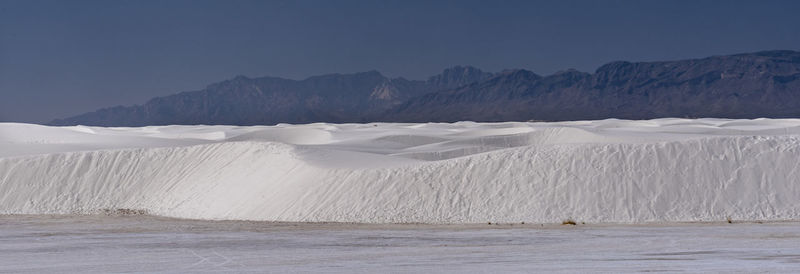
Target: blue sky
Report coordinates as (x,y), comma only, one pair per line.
(60,58)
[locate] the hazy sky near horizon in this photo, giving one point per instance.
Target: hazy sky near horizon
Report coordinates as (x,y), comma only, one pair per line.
(61,58)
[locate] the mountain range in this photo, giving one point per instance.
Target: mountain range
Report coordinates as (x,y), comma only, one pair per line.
(751,85)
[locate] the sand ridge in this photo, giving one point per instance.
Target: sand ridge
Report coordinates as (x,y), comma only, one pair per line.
(663,170)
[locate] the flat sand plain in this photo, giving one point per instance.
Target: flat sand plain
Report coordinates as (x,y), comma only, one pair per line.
(64,243)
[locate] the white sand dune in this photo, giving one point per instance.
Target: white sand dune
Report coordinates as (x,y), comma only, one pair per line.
(663,170)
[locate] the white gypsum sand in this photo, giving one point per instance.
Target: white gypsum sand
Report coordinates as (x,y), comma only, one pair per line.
(125,244)
(663,170)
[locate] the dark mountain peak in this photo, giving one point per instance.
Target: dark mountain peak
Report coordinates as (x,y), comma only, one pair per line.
(239,79)
(568,71)
(461,69)
(458,76)
(614,67)
(235,81)
(517,74)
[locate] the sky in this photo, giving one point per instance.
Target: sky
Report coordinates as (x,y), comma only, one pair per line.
(62,58)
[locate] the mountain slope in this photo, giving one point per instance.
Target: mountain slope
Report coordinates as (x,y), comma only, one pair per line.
(763,84)
(270,100)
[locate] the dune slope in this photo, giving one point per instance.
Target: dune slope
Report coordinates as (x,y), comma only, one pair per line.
(661,170)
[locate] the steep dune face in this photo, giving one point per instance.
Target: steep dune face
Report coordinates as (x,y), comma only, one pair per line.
(595,171)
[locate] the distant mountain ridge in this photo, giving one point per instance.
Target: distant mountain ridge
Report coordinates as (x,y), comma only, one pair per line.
(269,100)
(763,84)
(751,85)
